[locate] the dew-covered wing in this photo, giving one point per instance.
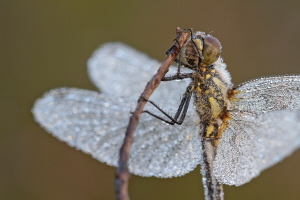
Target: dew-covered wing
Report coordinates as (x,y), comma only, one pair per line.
(268,94)
(95,123)
(252,143)
(118,69)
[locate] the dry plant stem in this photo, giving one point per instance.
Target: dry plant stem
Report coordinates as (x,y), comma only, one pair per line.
(122,174)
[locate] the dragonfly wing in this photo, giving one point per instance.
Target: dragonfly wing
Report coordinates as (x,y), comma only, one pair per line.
(119,70)
(96,123)
(252,143)
(82,118)
(268,94)
(165,151)
(116,68)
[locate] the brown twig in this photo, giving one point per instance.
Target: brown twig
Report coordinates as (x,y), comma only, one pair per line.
(122,174)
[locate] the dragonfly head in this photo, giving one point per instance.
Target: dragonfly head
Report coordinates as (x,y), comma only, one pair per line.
(202,50)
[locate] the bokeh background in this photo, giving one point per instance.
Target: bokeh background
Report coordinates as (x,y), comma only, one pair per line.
(45,44)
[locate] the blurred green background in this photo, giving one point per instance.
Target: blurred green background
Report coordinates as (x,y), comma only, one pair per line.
(45,44)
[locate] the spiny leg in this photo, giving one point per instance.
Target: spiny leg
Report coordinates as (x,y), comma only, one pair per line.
(180,113)
(178,60)
(176,40)
(184,104)
(178,77)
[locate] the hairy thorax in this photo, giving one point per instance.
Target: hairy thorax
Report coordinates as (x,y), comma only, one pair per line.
(211,101)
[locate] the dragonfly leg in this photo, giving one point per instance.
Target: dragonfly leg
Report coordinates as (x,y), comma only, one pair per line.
(177,44)
(179,63)
(174,45)
(178,60)
(178,77)
(180,113)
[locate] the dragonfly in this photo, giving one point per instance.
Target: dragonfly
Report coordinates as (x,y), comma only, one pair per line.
(246,129)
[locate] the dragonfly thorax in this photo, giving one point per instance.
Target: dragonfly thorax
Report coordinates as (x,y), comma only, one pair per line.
(211,101)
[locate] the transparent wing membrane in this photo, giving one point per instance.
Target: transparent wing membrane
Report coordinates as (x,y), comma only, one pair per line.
(95,124)
(268,94)
(119,70)
(82,118)
(263,130)
(252,143)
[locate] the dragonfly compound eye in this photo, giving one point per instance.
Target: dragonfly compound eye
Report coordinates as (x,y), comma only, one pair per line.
(211,50)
